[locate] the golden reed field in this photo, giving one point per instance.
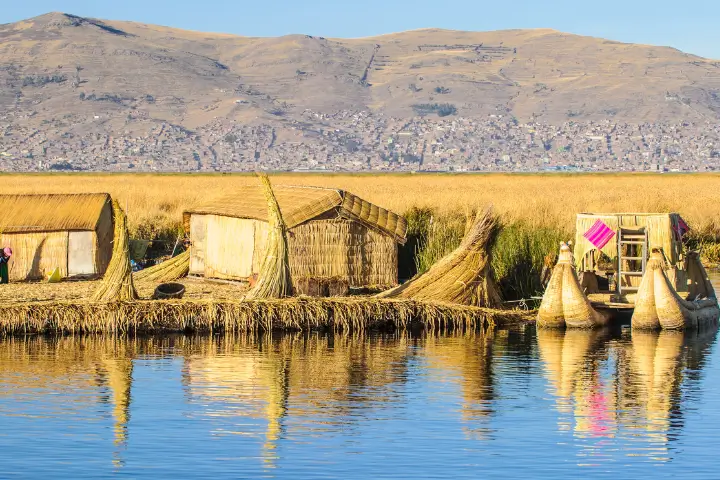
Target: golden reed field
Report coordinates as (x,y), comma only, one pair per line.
(155,202)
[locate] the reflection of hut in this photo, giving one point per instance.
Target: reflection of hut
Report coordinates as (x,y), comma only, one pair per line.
(332,234)
(71,232)
(468,360)
(69,365)
(304,376)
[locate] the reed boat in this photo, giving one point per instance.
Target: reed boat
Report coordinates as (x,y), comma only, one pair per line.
(630,266)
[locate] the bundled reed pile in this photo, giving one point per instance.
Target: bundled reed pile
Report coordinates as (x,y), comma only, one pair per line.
(153,316)
(274,277)
(462,277)
(564,304)
(167,271)
(658,305)
(117,284)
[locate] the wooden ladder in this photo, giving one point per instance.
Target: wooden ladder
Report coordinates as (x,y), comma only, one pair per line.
(639,238)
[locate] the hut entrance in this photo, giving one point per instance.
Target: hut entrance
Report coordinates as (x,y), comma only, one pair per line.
(632,244)
(81,255)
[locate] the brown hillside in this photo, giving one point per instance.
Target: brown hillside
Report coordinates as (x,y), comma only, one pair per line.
(49,62)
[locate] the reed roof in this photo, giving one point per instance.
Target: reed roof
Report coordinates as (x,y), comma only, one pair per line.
(299,204)
(51,212)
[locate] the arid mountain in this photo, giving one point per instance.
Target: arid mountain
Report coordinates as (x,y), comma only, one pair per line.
(83,75)
(190,77)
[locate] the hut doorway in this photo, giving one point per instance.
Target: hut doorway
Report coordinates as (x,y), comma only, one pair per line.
(81,255)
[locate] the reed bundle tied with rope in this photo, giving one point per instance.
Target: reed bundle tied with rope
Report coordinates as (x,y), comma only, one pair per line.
(464,276)
(564,304)
(170,270)
(274,279)
(658,304)
(117,283)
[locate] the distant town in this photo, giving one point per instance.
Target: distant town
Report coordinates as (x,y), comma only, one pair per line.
(360,141)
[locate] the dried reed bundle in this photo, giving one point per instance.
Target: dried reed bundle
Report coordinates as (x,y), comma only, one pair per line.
(167,271)
(564,304)
(274,276)
(304,313)
(658,305)
(463,276)
(117,284)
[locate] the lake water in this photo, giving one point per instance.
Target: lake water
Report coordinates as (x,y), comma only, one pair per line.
(504,403)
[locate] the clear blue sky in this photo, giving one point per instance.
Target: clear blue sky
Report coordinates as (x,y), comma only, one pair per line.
(690,25)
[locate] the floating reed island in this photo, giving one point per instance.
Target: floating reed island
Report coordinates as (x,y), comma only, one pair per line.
(457,293)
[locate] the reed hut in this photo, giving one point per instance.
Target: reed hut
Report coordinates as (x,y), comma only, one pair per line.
(70,232)
(332,234)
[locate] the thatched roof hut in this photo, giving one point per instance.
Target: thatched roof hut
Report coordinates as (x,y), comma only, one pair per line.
(332,234)
(72,232)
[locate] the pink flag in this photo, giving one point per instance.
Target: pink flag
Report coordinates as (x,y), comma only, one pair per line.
(599,234)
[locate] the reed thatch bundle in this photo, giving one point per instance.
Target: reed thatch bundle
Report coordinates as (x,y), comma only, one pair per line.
(117,284)
(564,304)
(658,305)
(274,279)
(146,316)
(463,276)
(167,271)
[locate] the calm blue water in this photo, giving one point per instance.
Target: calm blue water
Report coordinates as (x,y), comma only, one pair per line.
(503,404)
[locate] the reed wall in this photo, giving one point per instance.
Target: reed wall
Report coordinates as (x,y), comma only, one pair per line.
(36,254)
(233,248)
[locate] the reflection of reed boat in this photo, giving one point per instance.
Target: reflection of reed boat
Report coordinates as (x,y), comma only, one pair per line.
(663,287)
(642,395)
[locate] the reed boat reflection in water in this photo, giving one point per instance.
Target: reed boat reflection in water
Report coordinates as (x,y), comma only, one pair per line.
(622,389)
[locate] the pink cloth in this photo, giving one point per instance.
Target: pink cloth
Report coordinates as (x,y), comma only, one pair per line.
(681,228)
(599,234)
(7,251)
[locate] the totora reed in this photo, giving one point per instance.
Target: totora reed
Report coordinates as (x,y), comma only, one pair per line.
(274,276)
(167,271)
(456,294)
(461,277)
(117,284)
(303,313)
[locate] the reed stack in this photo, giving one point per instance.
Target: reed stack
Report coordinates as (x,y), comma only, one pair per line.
(274,279)
(464,276)
(170,270)
(117,284)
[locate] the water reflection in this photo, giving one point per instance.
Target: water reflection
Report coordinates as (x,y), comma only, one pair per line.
(269,399)
(306,376)
(625,386)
